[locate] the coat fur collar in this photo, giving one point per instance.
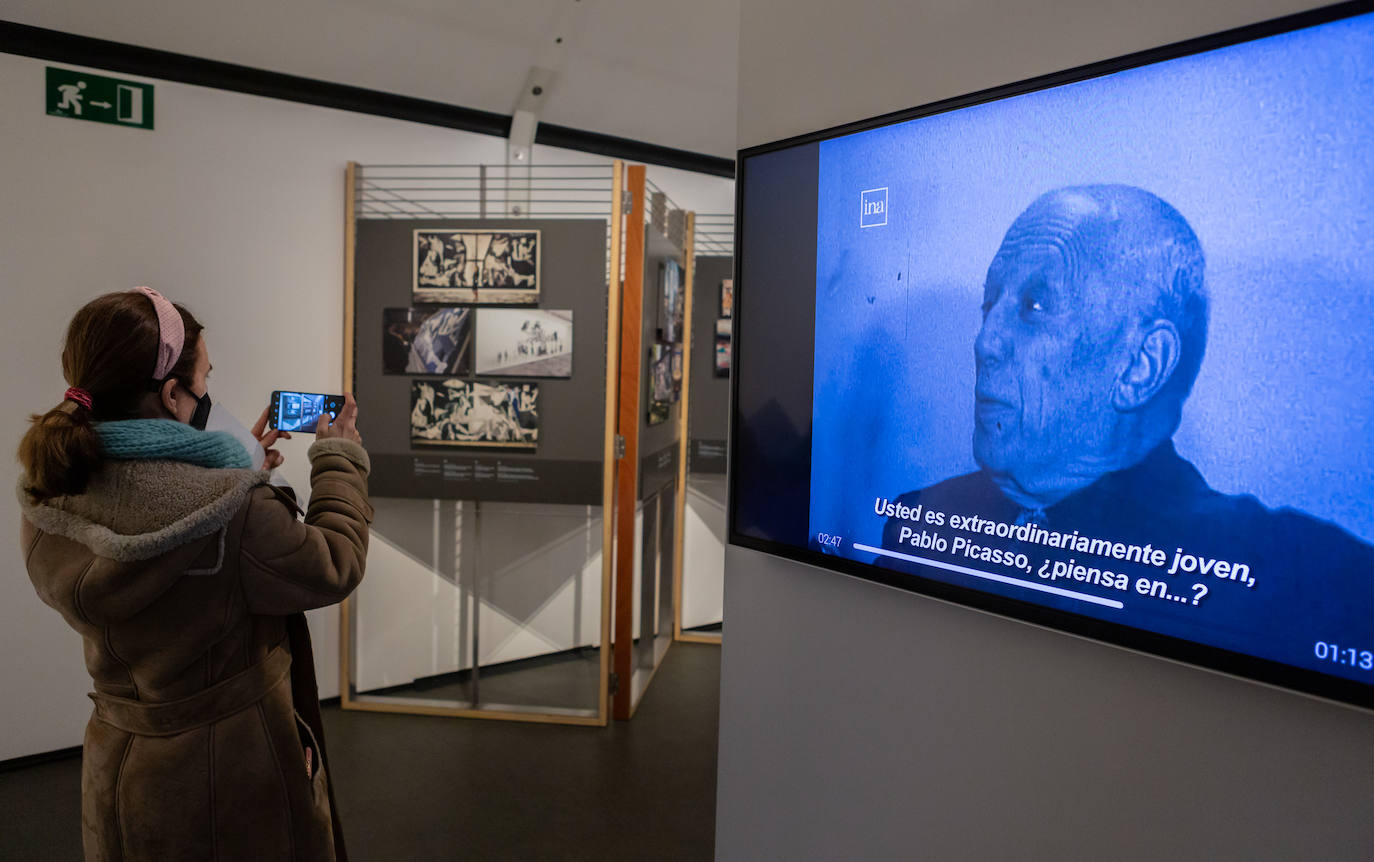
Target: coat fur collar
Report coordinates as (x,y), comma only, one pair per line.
(138,510)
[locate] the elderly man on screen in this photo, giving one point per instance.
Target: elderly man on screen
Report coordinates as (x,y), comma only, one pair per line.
(1094,328)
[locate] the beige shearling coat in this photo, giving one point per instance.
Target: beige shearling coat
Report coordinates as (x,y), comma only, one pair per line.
(188,586)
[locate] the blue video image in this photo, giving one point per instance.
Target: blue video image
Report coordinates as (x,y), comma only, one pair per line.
(299,411)
(986,278)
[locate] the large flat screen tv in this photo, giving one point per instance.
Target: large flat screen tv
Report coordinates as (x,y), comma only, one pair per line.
(1093,351)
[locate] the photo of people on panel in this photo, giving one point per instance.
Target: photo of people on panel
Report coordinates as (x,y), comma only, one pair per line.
(516,342)
(671,302)
(427,340)
(660,383)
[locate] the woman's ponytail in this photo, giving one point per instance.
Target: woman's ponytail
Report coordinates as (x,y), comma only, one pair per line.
(109,356)
(60,451)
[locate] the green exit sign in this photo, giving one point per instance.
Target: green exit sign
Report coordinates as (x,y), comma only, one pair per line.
(82,96)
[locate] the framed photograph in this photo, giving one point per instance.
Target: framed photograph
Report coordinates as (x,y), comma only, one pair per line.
(727,297)
(660,383)
(477,266)
(723,348)
(427,341)
(670,302)
(675,363)
(519,342)
(456,412)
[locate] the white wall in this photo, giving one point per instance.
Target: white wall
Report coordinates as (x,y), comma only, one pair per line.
(658,72)
(703,552)
(859,722)
(234,206)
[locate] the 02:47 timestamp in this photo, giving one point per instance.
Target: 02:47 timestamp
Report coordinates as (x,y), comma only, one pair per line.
(827,540)
(1349,656)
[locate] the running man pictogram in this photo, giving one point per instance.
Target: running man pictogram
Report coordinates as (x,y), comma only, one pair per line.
(71,96)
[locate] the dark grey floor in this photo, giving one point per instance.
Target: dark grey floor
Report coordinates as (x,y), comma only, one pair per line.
(417,788)
(569,680)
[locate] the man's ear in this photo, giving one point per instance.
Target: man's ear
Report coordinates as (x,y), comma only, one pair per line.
(167,395)
(1151,366)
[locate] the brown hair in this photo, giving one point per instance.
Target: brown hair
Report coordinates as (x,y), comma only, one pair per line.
(110,351)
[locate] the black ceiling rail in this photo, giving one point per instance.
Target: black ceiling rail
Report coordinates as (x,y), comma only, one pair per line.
(632,150)
(54,45)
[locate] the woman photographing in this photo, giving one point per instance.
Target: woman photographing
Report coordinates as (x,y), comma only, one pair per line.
(187,575)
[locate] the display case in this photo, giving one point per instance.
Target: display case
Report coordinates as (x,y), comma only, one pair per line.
(482,306)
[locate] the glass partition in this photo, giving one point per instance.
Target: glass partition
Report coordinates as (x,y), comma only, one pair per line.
(653,624)
(482,606)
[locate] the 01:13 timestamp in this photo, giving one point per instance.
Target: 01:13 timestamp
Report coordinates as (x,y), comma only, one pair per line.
(1350,656)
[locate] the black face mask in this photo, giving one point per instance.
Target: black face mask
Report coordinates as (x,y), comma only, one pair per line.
(202,413)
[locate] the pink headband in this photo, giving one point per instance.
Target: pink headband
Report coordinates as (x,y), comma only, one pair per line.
(171,333)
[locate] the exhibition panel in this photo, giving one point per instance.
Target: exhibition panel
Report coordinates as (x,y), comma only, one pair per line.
(495,396)
(481,302)
(517,393)
(1078,351)
(657,295)
(682,378)
(703,569)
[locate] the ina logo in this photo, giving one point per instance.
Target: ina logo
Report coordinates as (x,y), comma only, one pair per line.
(873,208)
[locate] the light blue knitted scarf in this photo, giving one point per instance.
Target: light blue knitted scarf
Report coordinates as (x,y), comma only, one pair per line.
(168,440)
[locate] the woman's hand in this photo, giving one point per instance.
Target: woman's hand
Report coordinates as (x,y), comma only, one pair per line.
(344,425)
(268,439)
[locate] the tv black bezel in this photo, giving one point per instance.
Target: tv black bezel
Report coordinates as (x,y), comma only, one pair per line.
(1310,682)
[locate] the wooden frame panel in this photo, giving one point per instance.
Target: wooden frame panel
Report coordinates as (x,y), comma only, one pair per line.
(609,550)
(690,265)
(350,247)
(699,638)
(627,479)
(689,268)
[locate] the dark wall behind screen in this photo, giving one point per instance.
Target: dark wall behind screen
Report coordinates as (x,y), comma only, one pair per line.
(775,309)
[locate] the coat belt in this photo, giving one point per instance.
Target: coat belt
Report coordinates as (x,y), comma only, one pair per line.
(220,700)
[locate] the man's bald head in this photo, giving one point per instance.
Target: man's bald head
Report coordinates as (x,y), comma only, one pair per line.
(1137,242)
(1095,323)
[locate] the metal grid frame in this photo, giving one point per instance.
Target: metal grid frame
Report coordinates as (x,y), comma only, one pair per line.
(482,191)
(715,235)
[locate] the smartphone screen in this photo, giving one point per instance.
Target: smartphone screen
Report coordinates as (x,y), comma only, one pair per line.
(301,411)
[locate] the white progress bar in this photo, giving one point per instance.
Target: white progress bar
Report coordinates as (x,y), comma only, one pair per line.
(989,576)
